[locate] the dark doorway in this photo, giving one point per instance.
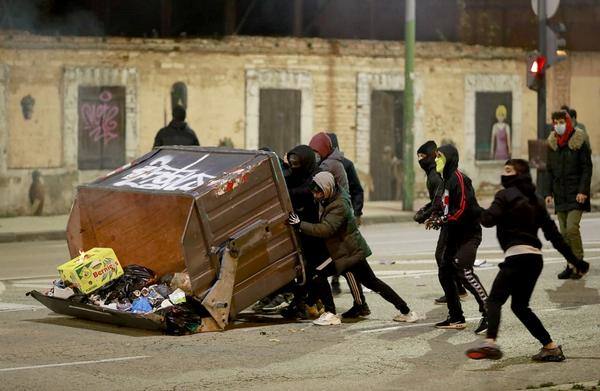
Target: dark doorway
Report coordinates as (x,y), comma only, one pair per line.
(387,136)
(101,141)
(279,121)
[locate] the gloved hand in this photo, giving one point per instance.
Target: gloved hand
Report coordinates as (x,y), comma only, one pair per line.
(420,216)
(294,220)
(435,222)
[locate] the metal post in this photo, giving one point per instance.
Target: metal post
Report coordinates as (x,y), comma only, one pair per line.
(409,107)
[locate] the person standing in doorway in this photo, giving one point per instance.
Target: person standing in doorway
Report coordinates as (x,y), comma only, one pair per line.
(569,171)
(177,132)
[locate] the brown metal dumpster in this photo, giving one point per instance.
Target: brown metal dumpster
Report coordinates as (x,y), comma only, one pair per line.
(218,213)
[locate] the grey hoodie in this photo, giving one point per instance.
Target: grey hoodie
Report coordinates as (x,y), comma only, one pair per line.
(333,164)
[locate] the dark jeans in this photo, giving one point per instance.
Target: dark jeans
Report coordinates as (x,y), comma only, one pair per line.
(364,274)
(439,254)
(517,277)
(457,261)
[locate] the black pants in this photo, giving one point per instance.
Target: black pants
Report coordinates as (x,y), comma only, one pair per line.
(458,259)
(362,272)
(517,277)
(439,254)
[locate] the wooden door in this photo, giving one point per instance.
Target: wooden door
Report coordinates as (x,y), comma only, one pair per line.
(101,141)
(386,145)
(279,121)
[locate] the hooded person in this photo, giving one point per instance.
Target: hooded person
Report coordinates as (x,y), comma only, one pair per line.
(177,132)
(435,188)
(357,193)
(347,248)
(457,214)
(569,176)
(518,214)
(330,159)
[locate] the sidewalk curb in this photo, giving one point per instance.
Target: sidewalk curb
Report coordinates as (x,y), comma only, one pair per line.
(32,236)
(383,219)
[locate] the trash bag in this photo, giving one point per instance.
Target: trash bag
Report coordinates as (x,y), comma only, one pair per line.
(181,319)
(141,305)
(134,278)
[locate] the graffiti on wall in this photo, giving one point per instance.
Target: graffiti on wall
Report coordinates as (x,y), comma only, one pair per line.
(100,118)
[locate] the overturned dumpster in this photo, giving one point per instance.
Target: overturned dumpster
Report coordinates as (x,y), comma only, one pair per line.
(217,214)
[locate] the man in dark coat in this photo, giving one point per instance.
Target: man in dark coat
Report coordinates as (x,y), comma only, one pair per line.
(435,187)
(177,132)
(458,217)
(569,171)
(347,247)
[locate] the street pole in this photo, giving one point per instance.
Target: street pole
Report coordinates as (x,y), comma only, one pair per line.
(541,97)
(409,107)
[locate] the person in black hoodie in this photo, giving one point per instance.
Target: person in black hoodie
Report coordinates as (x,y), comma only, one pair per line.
(435,187)
(456,213)
(177,132)
(357,197)
(518,213)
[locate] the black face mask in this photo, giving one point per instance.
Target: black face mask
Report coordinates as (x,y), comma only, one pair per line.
(427,163)
(509,180)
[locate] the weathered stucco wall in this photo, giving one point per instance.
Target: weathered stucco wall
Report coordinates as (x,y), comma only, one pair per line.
(221,101)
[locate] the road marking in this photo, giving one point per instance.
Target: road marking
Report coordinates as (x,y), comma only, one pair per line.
(37,278)
(13,307)
(411,325)
(73,363)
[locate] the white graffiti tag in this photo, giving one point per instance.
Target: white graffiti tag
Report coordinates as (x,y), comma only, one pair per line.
(158,175)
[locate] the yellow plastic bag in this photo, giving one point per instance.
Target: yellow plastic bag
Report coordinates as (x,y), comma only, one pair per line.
(92,269)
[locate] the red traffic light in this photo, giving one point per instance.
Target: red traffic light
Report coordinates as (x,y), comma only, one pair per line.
(537,66)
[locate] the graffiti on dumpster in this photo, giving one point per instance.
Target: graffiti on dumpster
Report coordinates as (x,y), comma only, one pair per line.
(159,175)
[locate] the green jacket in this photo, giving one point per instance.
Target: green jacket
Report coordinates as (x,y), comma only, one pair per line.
(337,225)
(569,172)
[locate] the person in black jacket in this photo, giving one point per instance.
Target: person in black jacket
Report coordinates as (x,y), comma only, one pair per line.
(177,132)
(357,197)
(518,214)
(435,187)
(569,172)
(456,213)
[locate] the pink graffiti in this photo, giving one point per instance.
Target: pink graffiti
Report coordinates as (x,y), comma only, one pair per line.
(99,118)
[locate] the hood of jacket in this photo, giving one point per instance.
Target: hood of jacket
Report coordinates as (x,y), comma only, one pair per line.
(179,125)
(321,143)
(428,163)
(451,154)
(334,140)
(307,159)
(336,154)
(575,142)
(326,182)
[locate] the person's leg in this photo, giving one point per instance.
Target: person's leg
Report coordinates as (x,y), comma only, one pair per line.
(446,276)
(573,232)
(355,288)
(525,280)
(501,290)
(368,279)
(464,261)
(562,225)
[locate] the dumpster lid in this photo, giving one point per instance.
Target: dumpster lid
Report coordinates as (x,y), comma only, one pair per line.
(179,169)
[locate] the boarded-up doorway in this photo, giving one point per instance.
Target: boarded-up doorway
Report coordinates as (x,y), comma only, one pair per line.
(386,145)
(279,119)
(101,141)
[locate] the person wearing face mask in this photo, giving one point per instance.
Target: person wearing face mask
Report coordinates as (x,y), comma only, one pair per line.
(435,187)
(347,248)
(569,171)
(456,213)
(518,214)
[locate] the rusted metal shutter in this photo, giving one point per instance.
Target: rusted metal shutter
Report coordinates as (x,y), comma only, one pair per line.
(279,121)
(101,141)
(386,145)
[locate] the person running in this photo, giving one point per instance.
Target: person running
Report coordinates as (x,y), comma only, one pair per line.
(435,187)
(457,216)
(347,247)
(518,214)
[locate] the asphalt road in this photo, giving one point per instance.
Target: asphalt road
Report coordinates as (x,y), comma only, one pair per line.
(42,350)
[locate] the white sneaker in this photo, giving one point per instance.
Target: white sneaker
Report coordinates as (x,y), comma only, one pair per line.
(480,262)
(411,317)
(327,319)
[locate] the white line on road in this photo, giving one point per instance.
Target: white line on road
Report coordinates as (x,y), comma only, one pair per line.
(73,363)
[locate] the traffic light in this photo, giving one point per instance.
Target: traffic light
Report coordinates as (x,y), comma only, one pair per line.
(536,65)
(555,44)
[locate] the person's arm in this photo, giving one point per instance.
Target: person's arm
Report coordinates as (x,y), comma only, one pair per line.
(585,165)
(157,140)
(492,215)
(552,234)
(329,225)
(195,138)
(549,176)
(508,141)
(356,190)
(493,142)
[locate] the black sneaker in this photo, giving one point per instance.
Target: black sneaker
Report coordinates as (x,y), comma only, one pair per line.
(335,286)
(565,274)
(440,300)
(581,270)
(549,355)
(458,324)
(357,311)
(483,326)
(485,350)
